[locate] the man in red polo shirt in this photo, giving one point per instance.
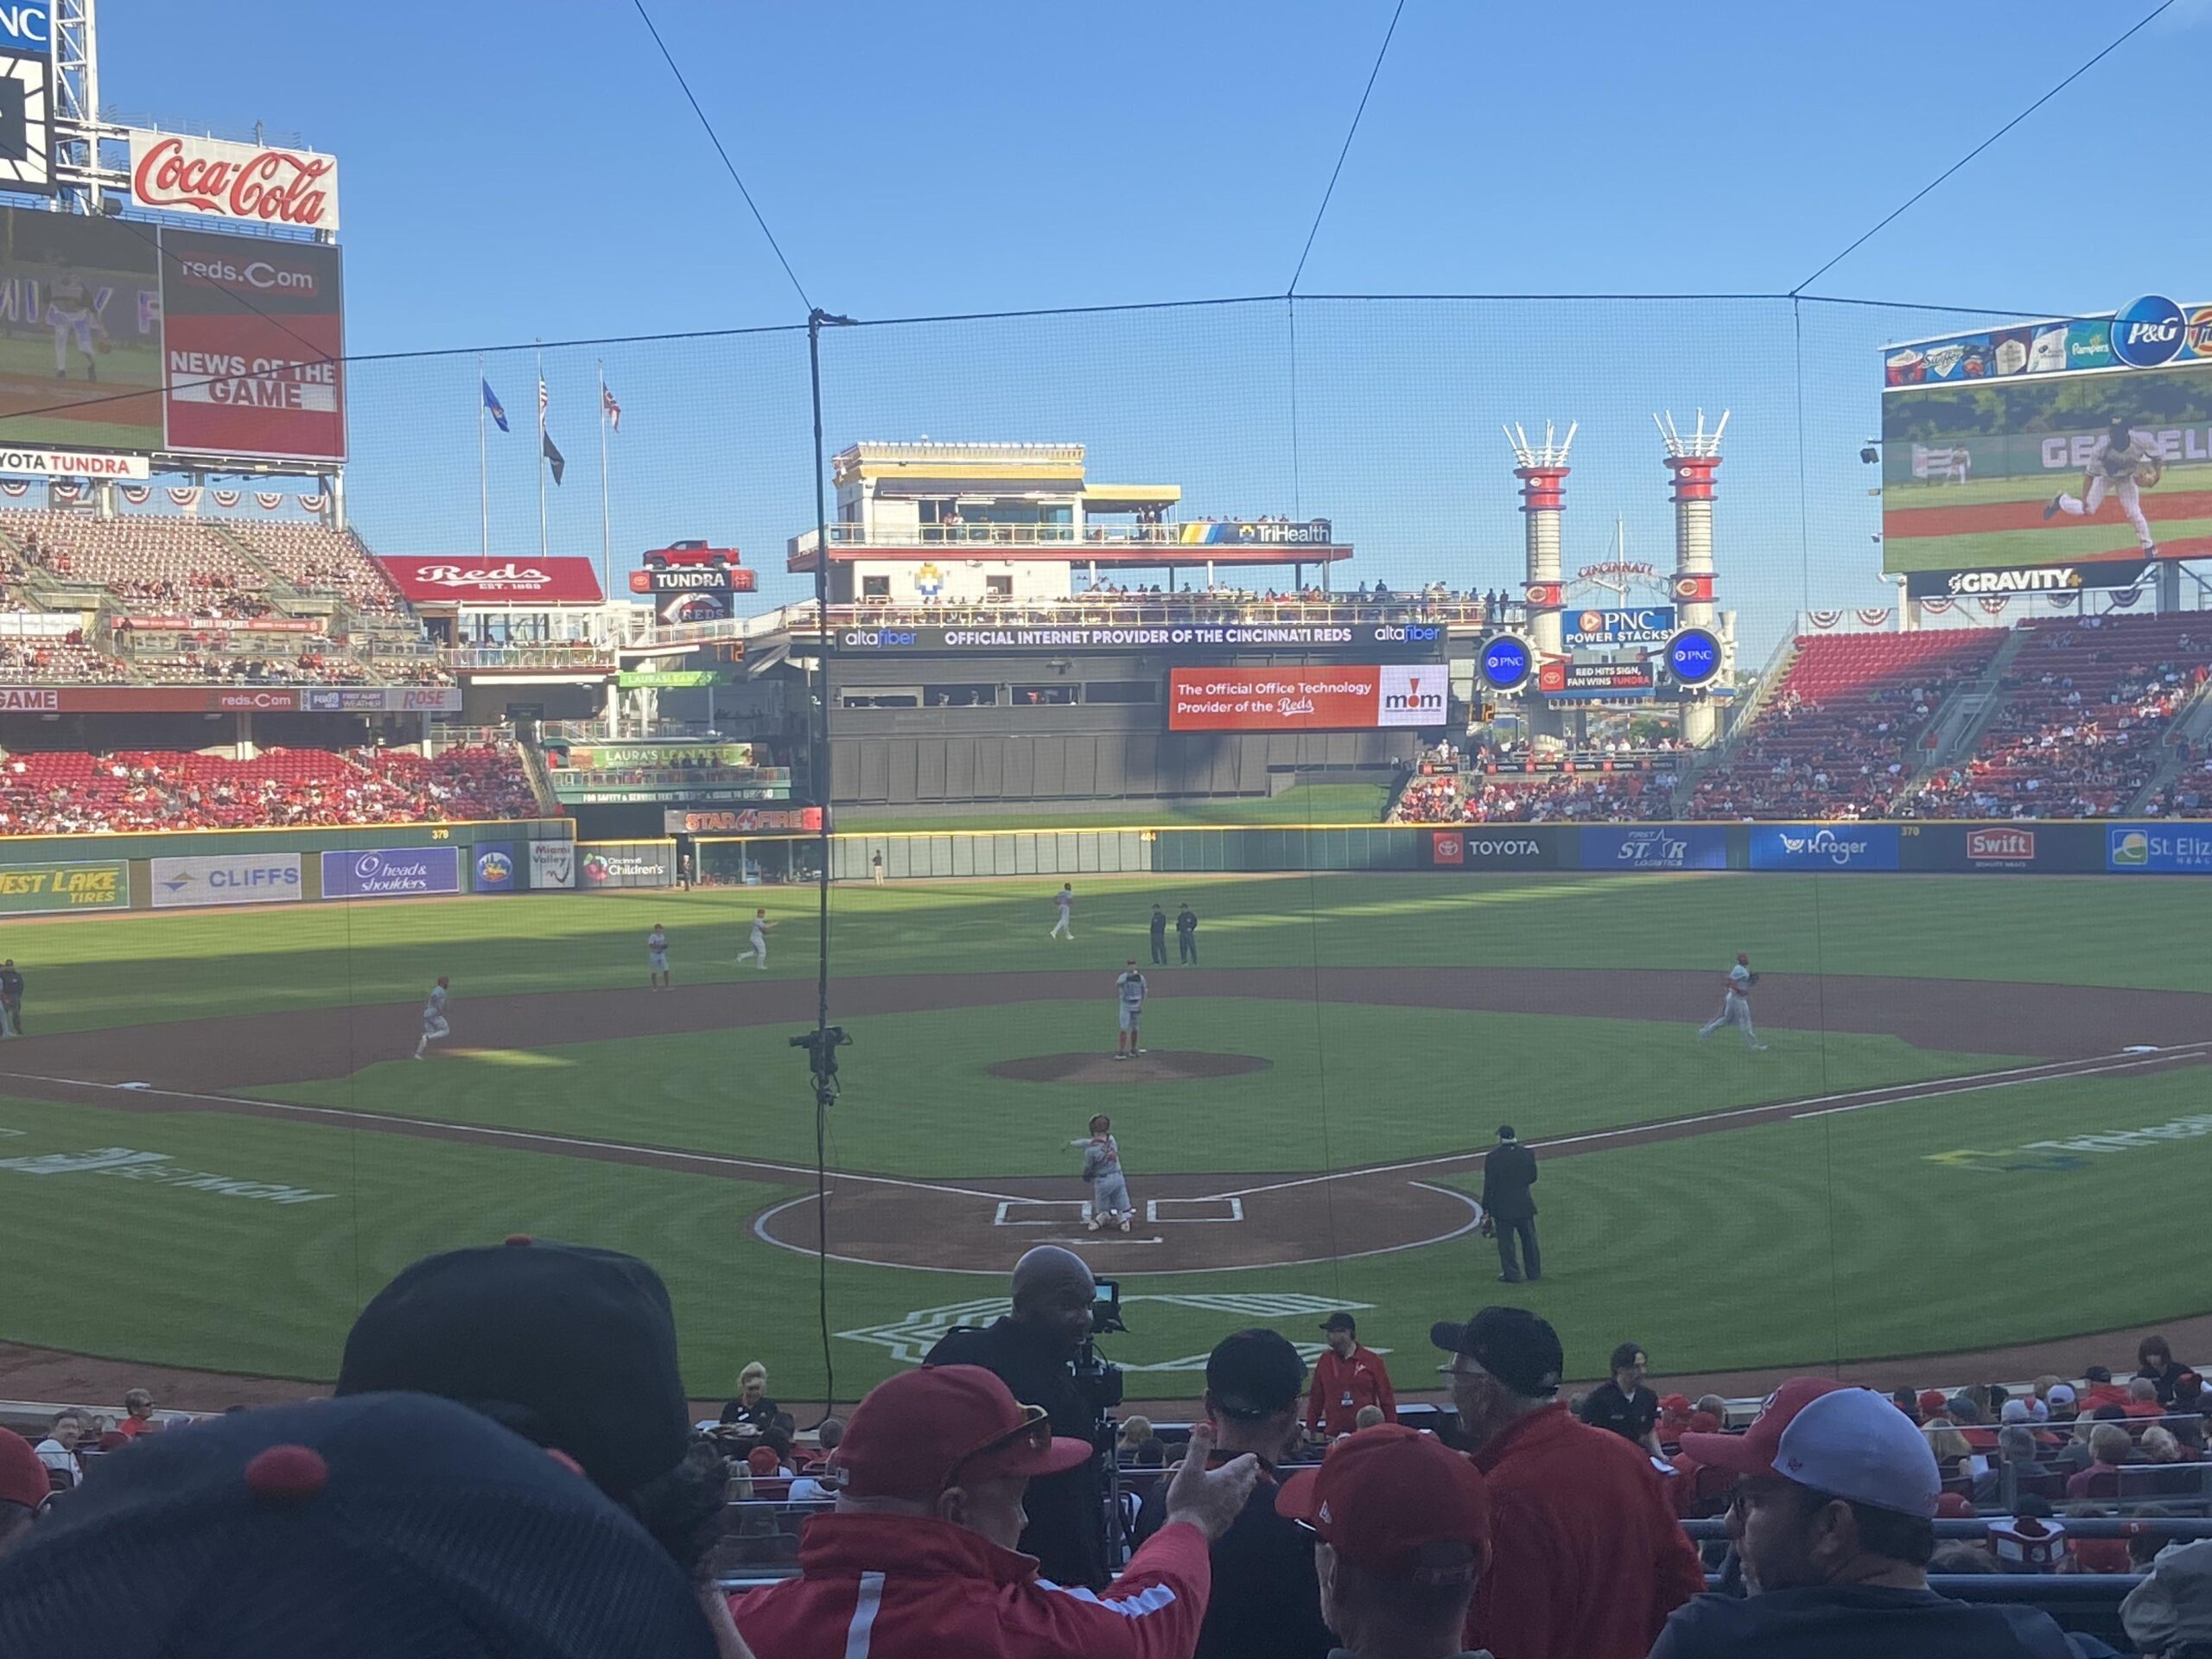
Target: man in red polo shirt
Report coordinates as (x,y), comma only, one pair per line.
(1345,1378)
(1587,1557)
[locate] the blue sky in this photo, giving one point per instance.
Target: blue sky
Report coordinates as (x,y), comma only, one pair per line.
(518,172)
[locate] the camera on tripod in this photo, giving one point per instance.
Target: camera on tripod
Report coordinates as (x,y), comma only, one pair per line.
(1101,1381)
(821,1048)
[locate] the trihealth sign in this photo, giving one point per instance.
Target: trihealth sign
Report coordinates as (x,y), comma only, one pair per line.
(2157,849)
(34,889)
(225,878)
(1824,846)
(390,872)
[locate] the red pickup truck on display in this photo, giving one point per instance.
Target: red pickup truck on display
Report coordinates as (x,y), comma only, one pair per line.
(691,552)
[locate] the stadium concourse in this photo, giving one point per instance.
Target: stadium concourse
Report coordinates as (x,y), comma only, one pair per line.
(2094,716)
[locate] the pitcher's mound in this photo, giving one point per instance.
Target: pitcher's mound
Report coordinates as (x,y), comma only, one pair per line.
(1159,1067)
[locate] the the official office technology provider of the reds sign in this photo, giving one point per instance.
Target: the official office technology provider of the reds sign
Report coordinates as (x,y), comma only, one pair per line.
(253,344)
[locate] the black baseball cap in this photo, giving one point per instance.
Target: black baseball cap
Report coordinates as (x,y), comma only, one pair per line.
(1253,1374)
(572,1347)
(1514,1345)
(356,1529)
(1341,1322)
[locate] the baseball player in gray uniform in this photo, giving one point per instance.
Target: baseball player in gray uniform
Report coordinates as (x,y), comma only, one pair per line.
(434,1017)
(1064,902)
(1736,1005)
(657,959)
(1102,1166)
(69,309)
(1129,990)
(757,946)
(2122,462)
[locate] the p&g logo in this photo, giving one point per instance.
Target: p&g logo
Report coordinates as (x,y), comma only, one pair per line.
(2148,333)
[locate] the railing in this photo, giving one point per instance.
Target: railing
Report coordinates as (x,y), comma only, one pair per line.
(570,654)
(1168,537)
(1117,610)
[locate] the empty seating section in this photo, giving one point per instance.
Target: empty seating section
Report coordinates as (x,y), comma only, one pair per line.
(2090,700)
(1841,736)
(74,792)
(149,563)
(318,560)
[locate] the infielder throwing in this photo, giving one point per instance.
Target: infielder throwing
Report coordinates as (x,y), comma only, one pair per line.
(1129,988)
(1102,1166)
(2122,463)
(434,1017)
(1064,901)
(657,959)
(1736,1004)
(758,948)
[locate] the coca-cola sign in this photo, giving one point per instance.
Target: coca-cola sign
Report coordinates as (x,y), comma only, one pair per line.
(264,186)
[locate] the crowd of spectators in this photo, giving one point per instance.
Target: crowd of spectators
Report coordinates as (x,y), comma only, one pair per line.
(1612,779)
(512,1418)
(2087,702)
(62,659)
(71,792)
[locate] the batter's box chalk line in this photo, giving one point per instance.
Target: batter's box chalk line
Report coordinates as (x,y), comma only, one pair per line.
(1048,1212)
(1152,1210)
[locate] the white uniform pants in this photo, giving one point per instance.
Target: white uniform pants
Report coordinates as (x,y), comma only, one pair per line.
(1735,1010)
(2130,503)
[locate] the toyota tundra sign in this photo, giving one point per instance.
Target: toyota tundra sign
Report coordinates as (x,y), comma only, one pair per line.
(295,188)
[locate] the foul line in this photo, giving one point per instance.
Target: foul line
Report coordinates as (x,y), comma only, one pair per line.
(1791,1110)
(440,1128)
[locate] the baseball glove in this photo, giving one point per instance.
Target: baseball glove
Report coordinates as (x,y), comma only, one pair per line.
(1753,980)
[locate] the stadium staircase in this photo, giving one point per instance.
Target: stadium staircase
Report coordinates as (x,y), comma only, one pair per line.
(1971,711)
(1742,714)
(540,780)
(2191,727)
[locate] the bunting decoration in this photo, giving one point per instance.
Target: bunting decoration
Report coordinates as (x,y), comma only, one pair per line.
(315,503)
(15,488)
(1994,606)
(1874,618)
(188,497)
(1938,606)
(267,500)
(68,492)
(1824,619)
(227,498)
(2121,601)
(137,494)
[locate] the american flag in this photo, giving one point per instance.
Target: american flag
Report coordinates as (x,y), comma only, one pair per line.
(613,409)
(542,400)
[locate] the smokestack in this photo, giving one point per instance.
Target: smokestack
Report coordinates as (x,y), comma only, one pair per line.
(1692,459)
(1542,471)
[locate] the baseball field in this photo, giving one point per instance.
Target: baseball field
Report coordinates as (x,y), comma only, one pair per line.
(1999,521)
(1979,1121)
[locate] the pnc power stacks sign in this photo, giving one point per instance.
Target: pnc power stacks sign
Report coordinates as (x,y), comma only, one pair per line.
(1358,699)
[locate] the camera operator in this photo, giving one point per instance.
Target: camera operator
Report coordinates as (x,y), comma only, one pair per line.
(1032,1351)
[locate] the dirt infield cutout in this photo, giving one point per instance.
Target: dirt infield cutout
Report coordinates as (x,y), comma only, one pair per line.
(1149,1066)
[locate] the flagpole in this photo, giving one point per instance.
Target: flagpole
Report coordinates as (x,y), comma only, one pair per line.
(483,484)
(540,453)
(605,564)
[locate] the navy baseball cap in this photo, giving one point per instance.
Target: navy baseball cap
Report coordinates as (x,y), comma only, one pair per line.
(1255,1374)
(573,1347)
(1514,1345)
(353,1528)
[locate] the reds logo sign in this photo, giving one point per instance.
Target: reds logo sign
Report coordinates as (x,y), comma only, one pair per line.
(209,175)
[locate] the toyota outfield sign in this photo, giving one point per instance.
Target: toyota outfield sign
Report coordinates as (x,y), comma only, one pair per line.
(390,872)
(225,878)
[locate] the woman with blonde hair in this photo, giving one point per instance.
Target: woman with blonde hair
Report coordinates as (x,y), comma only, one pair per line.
(752,1408)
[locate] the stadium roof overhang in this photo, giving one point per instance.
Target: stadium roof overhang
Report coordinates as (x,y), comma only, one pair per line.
(1118,556)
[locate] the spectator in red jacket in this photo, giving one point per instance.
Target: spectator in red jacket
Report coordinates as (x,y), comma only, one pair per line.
(1347,1377)
(2143,1401)
(24,1489)
(1404,1528)
(1833,1521)
(2102,1390)
(919,1560)
(1588,1557)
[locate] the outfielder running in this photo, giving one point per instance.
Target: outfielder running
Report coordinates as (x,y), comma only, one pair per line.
(434,1017)
(758,947)
(1064,901)
(2122,463)
(1129,988)
(1110,1204)
(1736,1005)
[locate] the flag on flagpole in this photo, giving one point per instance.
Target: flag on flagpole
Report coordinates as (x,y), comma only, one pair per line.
(492,403)
(612,409)
(554,458)
(542,400)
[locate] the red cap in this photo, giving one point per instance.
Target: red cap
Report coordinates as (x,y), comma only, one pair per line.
(914,1434)
(1677,1403)
(1933,1400)
(1399,1502)
(22,1476)
(761,1461)
(1847,1442)
(1955,1506)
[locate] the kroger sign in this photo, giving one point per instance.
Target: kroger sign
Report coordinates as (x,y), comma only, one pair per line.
(1603,630)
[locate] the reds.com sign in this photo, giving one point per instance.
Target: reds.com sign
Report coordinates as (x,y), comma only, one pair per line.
(295,187)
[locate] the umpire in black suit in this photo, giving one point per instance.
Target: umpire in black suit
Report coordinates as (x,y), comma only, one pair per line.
(1510,1208)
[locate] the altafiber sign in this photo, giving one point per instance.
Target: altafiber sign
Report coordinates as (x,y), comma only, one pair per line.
(34,889)
(391,872)
(225,878)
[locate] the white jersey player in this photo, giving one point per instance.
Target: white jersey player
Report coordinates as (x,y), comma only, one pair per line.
(757,947)
(434,1017)
(1736,1005)
(1129,991)
(2115,460)
(1064,902)
(69,309)
(657,959)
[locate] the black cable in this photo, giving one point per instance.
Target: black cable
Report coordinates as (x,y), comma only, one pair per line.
(714,138)
(1350,134)
(2155,11)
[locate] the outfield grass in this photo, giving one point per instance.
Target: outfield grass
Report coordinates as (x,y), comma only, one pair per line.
(1333,803)
(1351,1084)
(2113,931)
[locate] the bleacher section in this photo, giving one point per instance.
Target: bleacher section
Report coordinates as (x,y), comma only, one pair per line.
(147,564)
(1840,736)
(318,560)
(2090,700)
(1592,795)
(70,792)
